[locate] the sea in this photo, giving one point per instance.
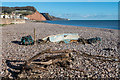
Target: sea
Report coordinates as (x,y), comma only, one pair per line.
(107,24)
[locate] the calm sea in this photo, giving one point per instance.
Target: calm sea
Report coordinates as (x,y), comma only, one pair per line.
(108,24)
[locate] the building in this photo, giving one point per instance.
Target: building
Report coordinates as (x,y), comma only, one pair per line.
(4,16)
(11,16)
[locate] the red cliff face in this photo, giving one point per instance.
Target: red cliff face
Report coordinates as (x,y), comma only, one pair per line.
(36,16)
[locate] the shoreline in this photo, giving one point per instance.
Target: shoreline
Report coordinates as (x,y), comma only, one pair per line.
(66,25)
(12,51)
(84,26)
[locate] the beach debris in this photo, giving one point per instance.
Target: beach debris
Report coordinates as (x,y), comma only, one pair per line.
(27,40)
(66,37)
(61,58)
(93,40)
(69,38)
(89,41)
(60,38)
(109,49)
(99,57)
(82,40)
(40,41)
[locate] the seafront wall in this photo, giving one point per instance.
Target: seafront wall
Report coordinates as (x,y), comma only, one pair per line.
(9,21)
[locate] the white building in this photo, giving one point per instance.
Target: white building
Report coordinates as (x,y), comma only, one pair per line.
(11,16)
(4,16)
(25,18)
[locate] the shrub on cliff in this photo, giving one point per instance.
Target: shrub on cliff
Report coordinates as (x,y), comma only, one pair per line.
(9,10)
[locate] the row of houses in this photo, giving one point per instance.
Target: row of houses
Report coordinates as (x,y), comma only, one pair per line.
(12,16)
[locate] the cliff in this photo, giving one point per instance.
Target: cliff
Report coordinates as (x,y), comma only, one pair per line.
(49,17)
(36,16)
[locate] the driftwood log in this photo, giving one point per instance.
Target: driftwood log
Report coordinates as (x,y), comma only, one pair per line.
(65,56)
(46,51)
(98,57)
(62,58)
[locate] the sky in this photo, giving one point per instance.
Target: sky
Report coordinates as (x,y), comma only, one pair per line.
(60,0)
(74,10)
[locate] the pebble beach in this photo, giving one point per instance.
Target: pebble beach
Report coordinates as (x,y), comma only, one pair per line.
(12,51)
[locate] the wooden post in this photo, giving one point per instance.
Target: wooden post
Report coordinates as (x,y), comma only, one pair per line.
(34,36)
